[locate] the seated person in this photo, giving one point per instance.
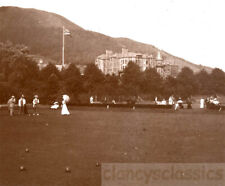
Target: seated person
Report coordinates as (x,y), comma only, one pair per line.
(163,102)
(215,101)
(179,104)
(113,101)
(55,105)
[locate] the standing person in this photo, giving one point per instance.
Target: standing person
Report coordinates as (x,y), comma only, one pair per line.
(91,100)
(188,101)
(156,100)
(11,105)
(170,101)
(202,103)
(65,110)
(35,104)
(22,104)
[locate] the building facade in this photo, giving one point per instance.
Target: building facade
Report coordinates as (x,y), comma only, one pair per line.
(115,63)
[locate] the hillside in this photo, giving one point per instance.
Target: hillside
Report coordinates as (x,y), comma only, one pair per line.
(42,32)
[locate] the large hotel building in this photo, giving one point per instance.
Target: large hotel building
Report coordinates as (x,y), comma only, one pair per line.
(115,63)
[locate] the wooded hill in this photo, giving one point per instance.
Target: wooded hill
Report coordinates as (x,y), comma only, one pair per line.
(42,32)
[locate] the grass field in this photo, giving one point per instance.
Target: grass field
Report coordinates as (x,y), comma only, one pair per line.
(91,135)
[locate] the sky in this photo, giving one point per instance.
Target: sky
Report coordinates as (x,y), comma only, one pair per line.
(191,29)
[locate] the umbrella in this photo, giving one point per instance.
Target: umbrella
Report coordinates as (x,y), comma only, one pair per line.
(66,98)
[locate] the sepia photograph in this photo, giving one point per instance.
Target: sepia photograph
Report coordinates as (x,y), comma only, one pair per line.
(112,93)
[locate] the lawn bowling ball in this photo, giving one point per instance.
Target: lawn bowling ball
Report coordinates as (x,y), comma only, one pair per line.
(67,169)
(26,150)
(97,164)
(22,168)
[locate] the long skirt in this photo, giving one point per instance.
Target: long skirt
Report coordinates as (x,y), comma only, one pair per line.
(65,110)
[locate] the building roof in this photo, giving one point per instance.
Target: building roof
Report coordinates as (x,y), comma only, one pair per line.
(123,55)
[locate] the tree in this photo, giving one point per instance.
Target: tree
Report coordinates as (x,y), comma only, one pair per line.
(24,76)
(204,83)
(6,91)
(48,70)
(186,83)
(217,77)
(71,71)
(131,79)
(152,82)
(169,86)
(9,53)
(111,86)
(50,89)
(73,81)
(93,80)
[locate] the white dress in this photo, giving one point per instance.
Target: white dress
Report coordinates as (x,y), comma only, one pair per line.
(202,102)
(64,110)
(171,101)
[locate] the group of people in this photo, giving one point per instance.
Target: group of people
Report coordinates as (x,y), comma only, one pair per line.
(171,101)
(211,102)
(22,104)
(179,104)
(64,111)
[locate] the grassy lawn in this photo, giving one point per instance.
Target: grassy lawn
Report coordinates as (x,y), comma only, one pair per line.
(91,135)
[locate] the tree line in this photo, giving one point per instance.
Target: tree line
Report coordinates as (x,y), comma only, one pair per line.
(19,74)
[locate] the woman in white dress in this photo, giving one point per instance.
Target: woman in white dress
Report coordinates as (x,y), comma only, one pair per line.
(202,103)
(64,110)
